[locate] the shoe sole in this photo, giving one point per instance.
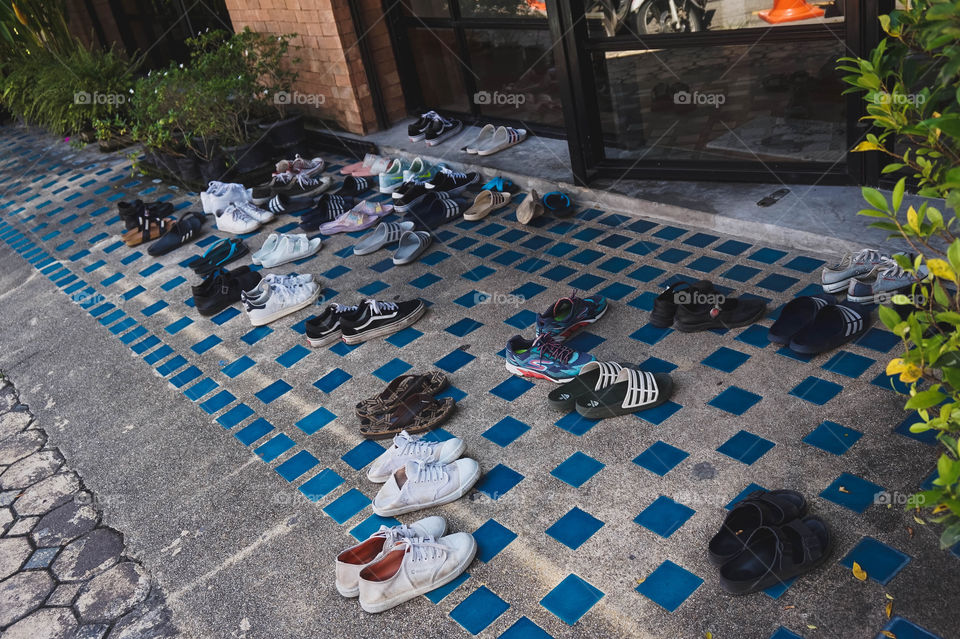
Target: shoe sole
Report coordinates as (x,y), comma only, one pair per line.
(606,412)
(292,259)
(836,287)
(525,372)
(760,585)
(452,457)
(443,136)
(417,138)
(348,593)
(461,188)
(257,201)
(381,606)
(319,342)
(283,312)
(388,329)
(390,188)
(454,496)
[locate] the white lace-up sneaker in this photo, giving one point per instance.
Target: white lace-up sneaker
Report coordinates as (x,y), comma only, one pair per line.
(290,248)
(414,567)
(255,212)
(406,447)
(351,561)
(291,279)
(220,194)
(420,484)
(271,300)
(233,219)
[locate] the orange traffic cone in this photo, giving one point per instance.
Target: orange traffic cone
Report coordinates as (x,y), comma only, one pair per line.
(790,10)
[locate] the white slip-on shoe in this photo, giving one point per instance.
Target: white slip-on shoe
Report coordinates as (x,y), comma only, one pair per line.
(232,219)
(406,447)
(291,248)
(414,567)
(421,484)
(485,135)
(268,246)
(351,561)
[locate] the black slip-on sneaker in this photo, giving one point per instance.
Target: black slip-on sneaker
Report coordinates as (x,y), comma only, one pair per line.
(441,129)
(701,308)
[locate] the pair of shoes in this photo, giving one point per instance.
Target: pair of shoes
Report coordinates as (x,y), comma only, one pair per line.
(130,212)
(371,166)
(406,404)
(485,203)
(282,180)
(451,182)
(768,539)
(218,254)
(400,563)
(609,389)
(188,227)
(817,324)
(492,139)
(398,173)
(411,244)
(327,208)
(289,190)
(535,205)
(222,288)
(219,194)
(700,307)
(241,217)
(277,296)
(870,277)
(148,227)
(281,248)
(361,217)
(357,324)
(412,193)
(433,128)
(354,186)
(419,474)
(433,210)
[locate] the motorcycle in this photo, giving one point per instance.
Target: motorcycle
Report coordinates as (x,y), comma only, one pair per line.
(653,16)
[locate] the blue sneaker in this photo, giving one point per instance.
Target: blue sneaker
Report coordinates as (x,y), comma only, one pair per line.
(569,314)
(544,358)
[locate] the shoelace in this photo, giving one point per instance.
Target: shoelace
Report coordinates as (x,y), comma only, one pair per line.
(379,307)
(420,548)
(553,348)
(305,181)
(413,446)
(343,308)
(457,175)
(890,268)
(283,178)
(427,471)
(431,115)
(237,213)
(866,255)
(392,535)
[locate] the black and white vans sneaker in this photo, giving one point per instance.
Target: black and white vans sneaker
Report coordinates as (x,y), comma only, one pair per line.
(441,129)
(325,328)
(452,182)
(418,130)
(380,319)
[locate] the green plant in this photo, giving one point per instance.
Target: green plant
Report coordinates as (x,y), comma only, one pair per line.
(28,27)
(911,86)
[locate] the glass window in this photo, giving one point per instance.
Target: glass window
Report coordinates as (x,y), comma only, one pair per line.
(427,8)
(439,69)
(503,9)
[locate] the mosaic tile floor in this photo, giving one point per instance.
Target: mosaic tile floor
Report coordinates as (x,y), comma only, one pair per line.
(584,528)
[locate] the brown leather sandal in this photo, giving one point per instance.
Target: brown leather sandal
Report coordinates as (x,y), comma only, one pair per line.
(415,414)
(147,230)
(400,388)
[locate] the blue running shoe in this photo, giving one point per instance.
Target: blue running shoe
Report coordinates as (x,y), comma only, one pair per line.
(569,315)
(544,358)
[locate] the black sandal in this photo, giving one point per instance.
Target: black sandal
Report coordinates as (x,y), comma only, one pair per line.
(593,377)
(759,508)
(632,391)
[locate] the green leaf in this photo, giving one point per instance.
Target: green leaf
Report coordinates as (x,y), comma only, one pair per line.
(924,399)
(888,316)
(875,198)
(897,198)
(953,254)
(890,168)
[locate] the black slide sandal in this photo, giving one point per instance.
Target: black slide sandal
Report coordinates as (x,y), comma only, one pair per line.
(632,391)
(796,315)
(832,327)
(759,508)
(593,377)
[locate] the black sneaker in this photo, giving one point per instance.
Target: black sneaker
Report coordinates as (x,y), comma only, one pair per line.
(222,288)
(452,182)
(325,328)
(418,130)
(303,187)
(278,182)
(700,308)
(441,129)
(379,319)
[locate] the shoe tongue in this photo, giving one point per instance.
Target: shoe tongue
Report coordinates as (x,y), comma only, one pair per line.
(559,304)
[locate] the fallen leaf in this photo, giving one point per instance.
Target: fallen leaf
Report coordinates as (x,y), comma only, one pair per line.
(811,627)
(843,490)
(887,633)
(888,596)
(859,572)
(641,580)
(789,607)
(889,609)
(939,509)
(708,635)
(919,521)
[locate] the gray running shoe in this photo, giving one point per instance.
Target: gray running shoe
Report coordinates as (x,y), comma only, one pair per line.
(837,278)
(883,282)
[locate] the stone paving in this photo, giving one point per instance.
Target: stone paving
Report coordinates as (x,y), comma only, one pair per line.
(63,574)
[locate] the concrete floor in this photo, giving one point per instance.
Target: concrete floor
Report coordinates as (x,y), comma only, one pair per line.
(105,348)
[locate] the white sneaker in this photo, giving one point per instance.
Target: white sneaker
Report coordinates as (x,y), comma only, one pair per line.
(291,279)
(421,484)
(269,244)
(289,249)
(232,219)
(270,301)
(351,561)
(255,212)
(393,176)
(414,567)
(406,447)
(219,194)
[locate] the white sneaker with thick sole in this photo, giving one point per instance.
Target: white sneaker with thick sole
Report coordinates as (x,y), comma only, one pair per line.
(233,219)
(406,447)
(219,194)
(270,301)
(351,561)
(414,567)
(421,484)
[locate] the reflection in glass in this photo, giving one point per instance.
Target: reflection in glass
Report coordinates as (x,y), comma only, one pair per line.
(426,8)
(503,9)
(438,69)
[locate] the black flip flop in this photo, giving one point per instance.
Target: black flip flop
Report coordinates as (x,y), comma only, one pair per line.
(796,314)
(759,508)
(833,326)
(558,203)
(632,391)
(593,377)
(774,555)
(218,254)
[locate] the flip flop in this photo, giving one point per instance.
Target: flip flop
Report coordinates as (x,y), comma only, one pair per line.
(385,233)
(632,391)
(504,138)
(530,208)
(359,218)
(796,314)
(401,387)
(593,377)
(219,253)
(413,244)
(833,326)
(188,227)
(414,414)
(485,203)
(501,184)
(559,204)
(485,135)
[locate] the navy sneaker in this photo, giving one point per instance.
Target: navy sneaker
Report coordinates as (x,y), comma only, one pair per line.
(569,314)
(544,358)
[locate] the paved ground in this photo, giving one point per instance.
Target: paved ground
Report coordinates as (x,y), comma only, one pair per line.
(228,459)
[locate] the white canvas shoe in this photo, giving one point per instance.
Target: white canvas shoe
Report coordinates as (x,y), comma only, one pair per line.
(351,561)
(292,279)
(421,484)
(406,447)
(270,301)
(232,219)
(414,567)
(219,194)
(261,215)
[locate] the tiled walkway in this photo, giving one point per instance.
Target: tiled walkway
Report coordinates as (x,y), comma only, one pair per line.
(584,528)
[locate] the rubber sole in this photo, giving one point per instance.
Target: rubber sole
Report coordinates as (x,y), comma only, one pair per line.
(576,328)
(454,496)
(387,329)
(836,287)
(452,457)
(283,312)
(348,593)
(761,584)
(526,372)
(500,148)
(292,259)
(318,342)
(806,350)
(449,134)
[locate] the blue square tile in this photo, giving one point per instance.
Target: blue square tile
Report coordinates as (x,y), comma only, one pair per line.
(292,356)
(224,316)
(833,437)
(725,359)
(492,537)
(735,400)
(614,241)
(498,480)
(523,319)
(425,280)
(507,257)
(767,255)
(928,437)
(362,454)
(469,300)
(586,282)
(506,431)
(617,291)
(480,609)
(315,420)
(256,334)
(816,391)
(669,585)
(370,525)
(903,629)
(297,466)
(880,561)
(391,370)
(650,334)
(642,247)
(454,361)
(575,424)
(346,506)
(185,376)
(641,226)
(659,414)
(669,233)
(644,301)
(273,391)
(321,484)
(404,337)
(217,402)
(200,389)
(463,327)
(332,380)
(674,255)
(274,447)
(878,340)
(438,594)
(577,469)
(511,388)
(804,264)
(777,282)
(755,335)
(571,599)
(848,364)
(523,628)
(558,273)
(585,341)
(701,240)
(705,264)
(237,366)
(615,264)
(852,492)
(664,516)
(235,415)
(741,273)
(746,447)
(891,382)
(657,365)
(575,528)
(478,273)
(253,431)
(660,458)
(587,234)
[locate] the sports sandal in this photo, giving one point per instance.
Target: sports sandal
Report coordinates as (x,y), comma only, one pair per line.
(774,555)
(414,414)
(503,138)
(219,253)
(593,377)
(530,208)
(485,135)
(353,185)
(385,233)
(559,204)
(833,326)
(189,226)
(359,218)
(501,184)
(401,387)
(759,508)
(796,315)
(485,203)
(148,229)
(632,391)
